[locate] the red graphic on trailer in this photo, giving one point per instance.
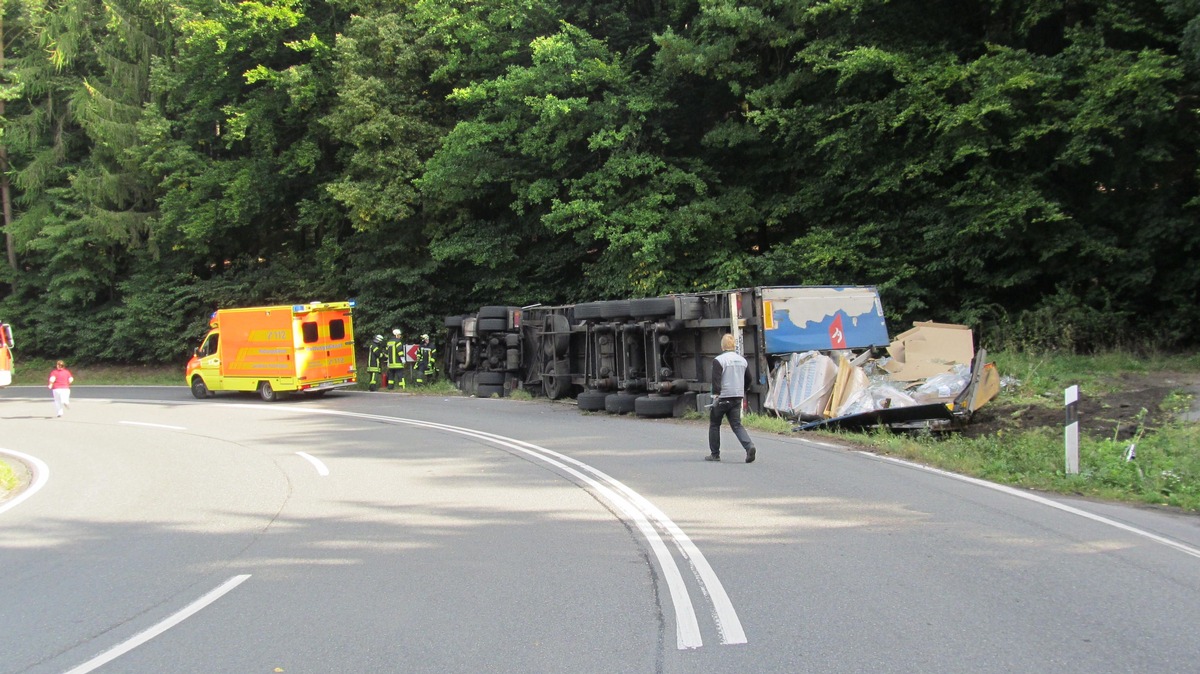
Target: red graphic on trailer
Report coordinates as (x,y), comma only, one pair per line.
(837,338)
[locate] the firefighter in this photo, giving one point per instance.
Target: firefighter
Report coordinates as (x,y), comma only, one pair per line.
(395,356)
(425,360)
(377,360)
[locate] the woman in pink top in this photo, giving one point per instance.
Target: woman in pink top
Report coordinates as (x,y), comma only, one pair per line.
(60,385)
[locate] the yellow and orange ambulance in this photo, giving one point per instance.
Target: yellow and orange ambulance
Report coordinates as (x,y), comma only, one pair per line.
(306,348)
(6,358)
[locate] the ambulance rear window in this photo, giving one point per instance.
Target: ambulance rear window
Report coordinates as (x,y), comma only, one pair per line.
(310,332)
(337,329)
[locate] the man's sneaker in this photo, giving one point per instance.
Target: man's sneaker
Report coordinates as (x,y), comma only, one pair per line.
(712,457)
(750,455)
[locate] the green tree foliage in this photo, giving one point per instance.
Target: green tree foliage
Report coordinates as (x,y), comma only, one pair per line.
(1025,166)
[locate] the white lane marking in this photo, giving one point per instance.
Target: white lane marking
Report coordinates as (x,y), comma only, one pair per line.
(1045,501)
(142,423)
(321,469)
(41,475)
(142,637)
(687,630)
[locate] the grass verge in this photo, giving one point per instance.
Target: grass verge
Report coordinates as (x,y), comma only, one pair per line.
(1164,468)
(8,477)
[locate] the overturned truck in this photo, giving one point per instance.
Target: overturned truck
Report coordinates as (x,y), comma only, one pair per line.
(653,356)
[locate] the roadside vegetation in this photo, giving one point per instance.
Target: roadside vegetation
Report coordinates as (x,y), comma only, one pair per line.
(8,478)
(1133,449)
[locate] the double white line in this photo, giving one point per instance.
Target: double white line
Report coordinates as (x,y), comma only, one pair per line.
(633,507)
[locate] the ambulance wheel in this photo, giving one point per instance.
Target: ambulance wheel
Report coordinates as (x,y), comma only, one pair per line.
(199,389)
(267,393)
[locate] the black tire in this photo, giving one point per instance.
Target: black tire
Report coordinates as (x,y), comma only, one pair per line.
(557,344)
(267,393)
(488,378)
(453,321)
(620,403)
(655,406)
(690,308)
(587,310)
(491,325)
(199,388)
(489,390)
(652,307)
(493,312)
(556,381)
(591,400)
(615,309)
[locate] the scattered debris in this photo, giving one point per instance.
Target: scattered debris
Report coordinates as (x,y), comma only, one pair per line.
(931,378)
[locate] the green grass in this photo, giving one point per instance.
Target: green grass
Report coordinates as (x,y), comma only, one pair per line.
(8,478)
(1165,470)
(36,371)
(1166,467)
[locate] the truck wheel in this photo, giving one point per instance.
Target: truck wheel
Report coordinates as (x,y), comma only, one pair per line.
(654,406)
(492,324)
(620,403)
(453,321)
(490,378)
(494,312)
(556,379)
(591,400)
(267,393)
(489,390)
(690,308)
(587,310)
(558,340)
(199,388)
(652,307)
(615,309)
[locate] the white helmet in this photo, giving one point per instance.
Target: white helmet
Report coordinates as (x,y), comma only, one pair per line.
(396,332)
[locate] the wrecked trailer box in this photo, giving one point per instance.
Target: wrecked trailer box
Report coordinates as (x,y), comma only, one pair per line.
(653,356)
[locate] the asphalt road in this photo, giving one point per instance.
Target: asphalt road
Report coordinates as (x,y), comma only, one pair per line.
(387,533)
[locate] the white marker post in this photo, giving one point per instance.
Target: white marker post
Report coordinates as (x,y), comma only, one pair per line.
(1071,398)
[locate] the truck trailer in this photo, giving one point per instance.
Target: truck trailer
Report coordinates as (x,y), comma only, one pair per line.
(306,348)
(653,356)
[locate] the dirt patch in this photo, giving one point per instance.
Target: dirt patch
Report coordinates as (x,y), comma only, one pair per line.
(1117,414)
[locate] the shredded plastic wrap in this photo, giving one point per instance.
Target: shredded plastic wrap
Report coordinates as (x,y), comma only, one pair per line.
(944,386)
(800,387)
(879,394)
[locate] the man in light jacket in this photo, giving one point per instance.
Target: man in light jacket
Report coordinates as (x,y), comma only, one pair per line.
(730,379)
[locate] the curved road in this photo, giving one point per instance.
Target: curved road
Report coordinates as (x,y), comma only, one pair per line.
(388,533)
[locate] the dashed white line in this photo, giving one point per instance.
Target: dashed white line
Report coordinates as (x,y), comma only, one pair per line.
(321,469)
(142,423)
(142,637)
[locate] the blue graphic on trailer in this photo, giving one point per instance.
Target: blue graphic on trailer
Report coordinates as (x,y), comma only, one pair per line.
(822,318)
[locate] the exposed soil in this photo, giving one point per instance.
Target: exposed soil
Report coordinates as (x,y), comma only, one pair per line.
(1101,415)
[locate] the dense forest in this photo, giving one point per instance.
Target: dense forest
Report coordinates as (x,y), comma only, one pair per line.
(1027,167)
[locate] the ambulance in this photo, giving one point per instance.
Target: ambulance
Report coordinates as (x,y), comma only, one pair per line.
(299,348)
(6,358)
